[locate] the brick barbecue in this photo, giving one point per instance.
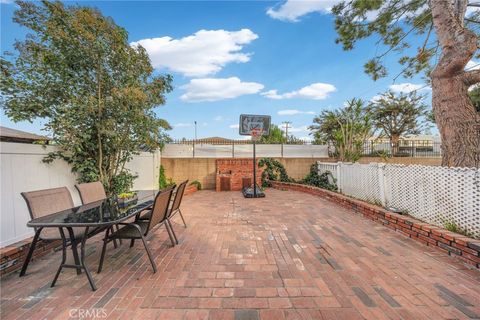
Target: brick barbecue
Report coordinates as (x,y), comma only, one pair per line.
(234,174)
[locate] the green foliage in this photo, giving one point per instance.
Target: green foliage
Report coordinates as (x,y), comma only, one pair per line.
(320,180)
(453,227)
(399,114)
(474,95)
(273,170)
(163,182)
(393,22)
(275,136)
(197,184)
(346,128)
(126,195)
(122,182)
(97,93)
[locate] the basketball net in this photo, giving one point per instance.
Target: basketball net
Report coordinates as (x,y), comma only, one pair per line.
(256,133)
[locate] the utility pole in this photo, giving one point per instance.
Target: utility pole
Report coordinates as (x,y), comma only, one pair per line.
(286,125)
(195,123)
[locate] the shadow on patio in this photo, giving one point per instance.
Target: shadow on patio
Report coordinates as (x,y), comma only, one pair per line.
(289,255)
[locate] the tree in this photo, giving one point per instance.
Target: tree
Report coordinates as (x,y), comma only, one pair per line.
(275,136)
(397,115)
(346,128)
(76,69)
(474,95)
(454,44)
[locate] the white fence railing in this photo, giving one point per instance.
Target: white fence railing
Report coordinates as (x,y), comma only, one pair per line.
(207,150)
(22,169)
(437,195)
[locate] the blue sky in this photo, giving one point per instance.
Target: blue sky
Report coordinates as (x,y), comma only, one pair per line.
(233,57)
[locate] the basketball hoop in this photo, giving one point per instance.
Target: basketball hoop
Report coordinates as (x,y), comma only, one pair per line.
(254,126)
(256,133)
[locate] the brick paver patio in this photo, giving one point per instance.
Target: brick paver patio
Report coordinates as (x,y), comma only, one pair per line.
(287,256)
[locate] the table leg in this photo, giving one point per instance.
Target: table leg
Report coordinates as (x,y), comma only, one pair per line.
(82,260)
(73,243)
(64,256)
(30,252)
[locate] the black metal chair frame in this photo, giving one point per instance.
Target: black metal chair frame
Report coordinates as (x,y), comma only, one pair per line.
(179,193)
(82,198)
(71,241)
(141,233)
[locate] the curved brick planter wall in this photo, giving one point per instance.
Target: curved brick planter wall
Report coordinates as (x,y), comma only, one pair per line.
(12,256)
(456,245)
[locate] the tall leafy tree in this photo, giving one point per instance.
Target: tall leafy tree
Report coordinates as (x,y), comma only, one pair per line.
(275,136)
(76,69)
(399,114)
(346,128)
(449,42)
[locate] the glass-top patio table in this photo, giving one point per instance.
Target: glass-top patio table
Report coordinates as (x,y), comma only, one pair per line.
(95,217)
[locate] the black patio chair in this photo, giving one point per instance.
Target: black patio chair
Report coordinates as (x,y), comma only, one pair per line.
(93,192)
(139,229)
(176,202)
(174,209)
(41,203)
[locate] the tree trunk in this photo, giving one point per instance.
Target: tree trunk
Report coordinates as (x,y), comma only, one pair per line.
(394,142)
(456,117)
(457,121)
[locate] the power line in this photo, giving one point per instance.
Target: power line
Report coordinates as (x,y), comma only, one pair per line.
(287,125)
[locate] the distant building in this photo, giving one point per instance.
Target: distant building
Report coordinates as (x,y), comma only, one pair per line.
(13,135)
(410,144)
(410,137)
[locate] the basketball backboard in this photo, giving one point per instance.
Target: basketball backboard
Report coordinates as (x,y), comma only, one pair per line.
(251,121)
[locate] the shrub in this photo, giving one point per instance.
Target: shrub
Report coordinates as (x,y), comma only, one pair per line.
(453,227)
(163,182)
(123,182)
(197,184)
(320,180)
(273,171)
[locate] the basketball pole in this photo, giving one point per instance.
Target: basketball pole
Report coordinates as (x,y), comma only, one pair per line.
(254,171)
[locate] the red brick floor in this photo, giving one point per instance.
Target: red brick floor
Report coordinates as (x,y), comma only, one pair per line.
(287,256)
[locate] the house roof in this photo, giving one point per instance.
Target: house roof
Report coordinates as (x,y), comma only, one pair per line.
(215,139)
(14,135)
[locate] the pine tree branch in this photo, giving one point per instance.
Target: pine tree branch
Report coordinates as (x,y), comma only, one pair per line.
(472,77)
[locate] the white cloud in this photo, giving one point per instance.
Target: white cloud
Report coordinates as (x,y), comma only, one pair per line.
(205,52)
(315,91)
(298,129)
(375,98)
(291,10)
(475,86)
(218,118)
(182,124)
(234,126)
(292,112)
(472,65)
(471,10)
(408,87)
(306,138)
(214,89)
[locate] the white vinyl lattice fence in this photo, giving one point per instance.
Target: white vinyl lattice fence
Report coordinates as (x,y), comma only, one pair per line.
(437,195)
